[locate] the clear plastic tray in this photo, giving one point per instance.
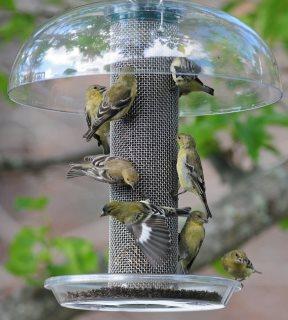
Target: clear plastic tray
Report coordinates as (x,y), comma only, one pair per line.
(142,293)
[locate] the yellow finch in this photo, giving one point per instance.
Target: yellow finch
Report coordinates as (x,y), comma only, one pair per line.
(106,169)
(238,265)
(147,223)
(184,73)
(190,170)
(94,98)
(116,103)
(191,238)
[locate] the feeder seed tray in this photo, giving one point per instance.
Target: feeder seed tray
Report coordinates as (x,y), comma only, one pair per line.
(139,293)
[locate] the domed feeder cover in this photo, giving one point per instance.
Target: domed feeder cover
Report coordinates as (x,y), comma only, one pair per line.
(71,51)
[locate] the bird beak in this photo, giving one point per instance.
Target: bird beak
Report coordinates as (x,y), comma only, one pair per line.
(239,260)
(205,220)
(104,212)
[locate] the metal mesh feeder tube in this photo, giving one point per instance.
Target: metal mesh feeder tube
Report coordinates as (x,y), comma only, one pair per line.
(147,137)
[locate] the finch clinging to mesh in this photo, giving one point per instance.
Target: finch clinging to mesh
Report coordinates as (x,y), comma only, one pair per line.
(116,103)
(113,170)
(94,98)
(238,265)
(147,223)
(190,170)
(191,238)
(185,75)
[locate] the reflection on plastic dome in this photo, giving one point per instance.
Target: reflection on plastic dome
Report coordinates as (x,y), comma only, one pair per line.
(77,49)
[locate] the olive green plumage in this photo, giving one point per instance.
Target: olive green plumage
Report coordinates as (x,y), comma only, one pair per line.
(94,98)
(104,168)
(191,238)
(116,102)
(185,75)
(147,223)
(189,169)
(237,264)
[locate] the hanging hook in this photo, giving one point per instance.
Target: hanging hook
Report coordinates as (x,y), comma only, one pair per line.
(161,28)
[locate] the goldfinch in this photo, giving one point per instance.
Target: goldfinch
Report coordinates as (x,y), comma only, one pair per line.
(116,103)
(191,238)
(189,168)
(238,265)
(184,73)
(94,98)
(112,170)
(147,223)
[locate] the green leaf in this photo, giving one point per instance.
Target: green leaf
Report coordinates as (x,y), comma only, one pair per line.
(283,224)
(230,5)
(7,5)
(30,204)
(218,267)
(4,85)
(76,256)
(253,133)
(27,252)
(20,25)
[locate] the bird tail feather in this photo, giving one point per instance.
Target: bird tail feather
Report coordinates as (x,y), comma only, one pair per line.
(105,146)
(75,171)
(208,90)
(209,214)
(180,269)
(183,211)
(89,134)
(256,271)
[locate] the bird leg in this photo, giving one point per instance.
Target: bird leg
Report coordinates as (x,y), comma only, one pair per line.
(182,192)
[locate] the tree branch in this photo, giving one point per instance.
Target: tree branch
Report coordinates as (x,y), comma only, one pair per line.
(254,204)
(8,164)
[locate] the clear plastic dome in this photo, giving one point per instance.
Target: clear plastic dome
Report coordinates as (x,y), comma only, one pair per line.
(77,49)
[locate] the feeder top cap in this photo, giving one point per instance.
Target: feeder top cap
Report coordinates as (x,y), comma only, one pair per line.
(86,45)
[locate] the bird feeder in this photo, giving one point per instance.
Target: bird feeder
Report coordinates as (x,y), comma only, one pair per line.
(92,44)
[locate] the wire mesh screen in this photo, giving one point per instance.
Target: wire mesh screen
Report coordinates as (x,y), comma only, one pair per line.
(147,137)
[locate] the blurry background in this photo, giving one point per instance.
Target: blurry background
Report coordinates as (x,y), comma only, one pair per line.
(51,226)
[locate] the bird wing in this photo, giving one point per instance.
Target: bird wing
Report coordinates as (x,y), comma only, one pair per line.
(99,170)
(183,212)
(153,237)
(99,161)
(88,119)
(195,255)
(108,109)
(196,173)
(248,263)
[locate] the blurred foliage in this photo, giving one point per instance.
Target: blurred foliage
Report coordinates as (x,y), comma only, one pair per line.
(7,4)
(35,255)
(249,128)
(18,26)
(4,85)
(30,204)
(268,17)
(218,267)
(283,224)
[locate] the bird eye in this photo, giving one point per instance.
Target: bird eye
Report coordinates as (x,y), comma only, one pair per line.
(95,87)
